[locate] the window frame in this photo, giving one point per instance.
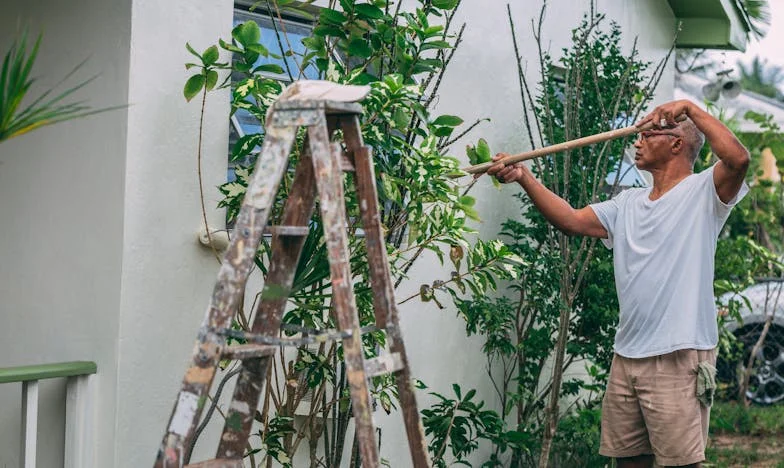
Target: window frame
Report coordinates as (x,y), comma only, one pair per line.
(242,11)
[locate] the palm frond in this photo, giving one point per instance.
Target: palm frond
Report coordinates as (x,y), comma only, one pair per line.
(758,14)
(761,77)
(16,81)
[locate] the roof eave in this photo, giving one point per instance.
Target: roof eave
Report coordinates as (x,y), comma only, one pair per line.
(710,24)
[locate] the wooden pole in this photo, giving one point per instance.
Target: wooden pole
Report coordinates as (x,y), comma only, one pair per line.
(565,146)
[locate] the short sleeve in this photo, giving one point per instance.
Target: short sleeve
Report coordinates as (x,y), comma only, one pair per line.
(721,209)
(607,212)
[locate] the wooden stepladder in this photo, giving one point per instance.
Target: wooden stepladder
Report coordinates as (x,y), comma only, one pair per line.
(318,172)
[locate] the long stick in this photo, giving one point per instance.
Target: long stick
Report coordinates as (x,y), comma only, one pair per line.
(565,146)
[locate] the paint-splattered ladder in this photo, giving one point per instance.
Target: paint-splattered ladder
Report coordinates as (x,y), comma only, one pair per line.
(320,170)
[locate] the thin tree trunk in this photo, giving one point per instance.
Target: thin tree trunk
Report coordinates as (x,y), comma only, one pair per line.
(551,413)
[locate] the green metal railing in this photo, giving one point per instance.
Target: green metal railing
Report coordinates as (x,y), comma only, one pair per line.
(47,371)
(78,408)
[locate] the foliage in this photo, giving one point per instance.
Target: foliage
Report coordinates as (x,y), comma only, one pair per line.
(762,78)
(761,214)
(747,435)
(561,312)
(758,14)
(577,441)
(46,109)
(751,242)
(402,56)
(734,418)
(459,424)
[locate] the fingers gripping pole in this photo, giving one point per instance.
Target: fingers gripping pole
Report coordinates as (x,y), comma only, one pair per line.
(565,146)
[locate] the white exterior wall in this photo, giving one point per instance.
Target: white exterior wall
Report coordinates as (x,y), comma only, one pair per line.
(61,192)
(167,276)
(131,291)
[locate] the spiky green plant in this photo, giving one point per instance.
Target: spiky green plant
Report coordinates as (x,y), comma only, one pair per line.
(46,109)
(758,15)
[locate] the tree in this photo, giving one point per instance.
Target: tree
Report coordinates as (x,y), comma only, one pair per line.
(562,311)
(762,78)
(402,55)
(757,12)
(749,248)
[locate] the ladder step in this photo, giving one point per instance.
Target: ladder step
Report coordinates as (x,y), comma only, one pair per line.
(346,165)
(247,351)
(287,230)
(217,463)
(384,364)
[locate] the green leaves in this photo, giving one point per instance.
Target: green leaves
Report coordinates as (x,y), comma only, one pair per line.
(247,33)
(480,153)
(359,48)
(486,263)
(196,83)
(448,120)
(245,145)
(211,80)
(15,82)
(444,125)
(207,78)
(274,438)
(368,11)
(445,4)
(421,207)
(193,86)
(332,17)
(458,424)
(269,68)
(210,56)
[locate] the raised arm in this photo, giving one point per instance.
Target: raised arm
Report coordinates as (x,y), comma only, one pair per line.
(733,164)
(555,209)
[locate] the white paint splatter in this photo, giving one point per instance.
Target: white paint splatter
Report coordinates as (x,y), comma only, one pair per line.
(240,406)
(184,413)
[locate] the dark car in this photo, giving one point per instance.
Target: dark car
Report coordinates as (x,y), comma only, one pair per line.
(765,300)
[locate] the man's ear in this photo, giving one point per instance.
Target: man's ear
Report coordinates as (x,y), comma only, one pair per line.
(677,145)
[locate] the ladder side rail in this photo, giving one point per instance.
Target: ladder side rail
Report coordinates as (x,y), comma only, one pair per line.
(329,181)
(284,257)
(383,290)
(227,294)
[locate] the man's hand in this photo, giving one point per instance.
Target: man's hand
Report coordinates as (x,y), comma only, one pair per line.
(664,115)
(733,164)
(506,174)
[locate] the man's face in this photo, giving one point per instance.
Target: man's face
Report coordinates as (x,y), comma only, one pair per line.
(655,147)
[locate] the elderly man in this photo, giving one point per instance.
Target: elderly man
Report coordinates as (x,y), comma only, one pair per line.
(664,242)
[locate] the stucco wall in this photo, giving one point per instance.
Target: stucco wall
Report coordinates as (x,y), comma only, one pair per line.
(167,277)
(61,191)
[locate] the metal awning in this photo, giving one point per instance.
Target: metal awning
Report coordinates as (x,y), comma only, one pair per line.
(710,24)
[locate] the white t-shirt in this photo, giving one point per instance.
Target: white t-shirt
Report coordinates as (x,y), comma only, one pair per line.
(663,257)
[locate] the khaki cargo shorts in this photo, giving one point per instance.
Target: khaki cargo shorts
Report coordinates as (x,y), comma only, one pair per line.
(651,407)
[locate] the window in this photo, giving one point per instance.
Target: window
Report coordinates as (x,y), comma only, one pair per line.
(296,29)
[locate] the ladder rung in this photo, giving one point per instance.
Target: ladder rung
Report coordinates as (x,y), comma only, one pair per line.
(384,364)
(217,463)
(287,230)
(346,165)
(247,351)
